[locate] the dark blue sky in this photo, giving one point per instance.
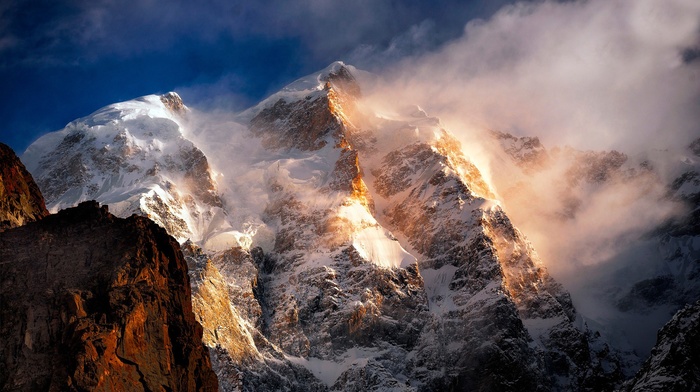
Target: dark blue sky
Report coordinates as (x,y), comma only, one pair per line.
(60,60)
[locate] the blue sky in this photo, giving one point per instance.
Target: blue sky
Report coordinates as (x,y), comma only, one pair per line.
(61,60)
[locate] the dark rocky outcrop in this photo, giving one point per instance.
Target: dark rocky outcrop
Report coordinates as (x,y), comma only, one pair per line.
(20,199)
(301,124)
(674,364)
(91,302)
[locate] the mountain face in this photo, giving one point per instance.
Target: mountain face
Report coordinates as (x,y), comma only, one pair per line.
(99,303)
(342,249)
(20,199)
(91,301)
(673,365)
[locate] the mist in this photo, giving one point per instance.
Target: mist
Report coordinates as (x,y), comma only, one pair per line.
(238,172)
(581,76)
(595,74)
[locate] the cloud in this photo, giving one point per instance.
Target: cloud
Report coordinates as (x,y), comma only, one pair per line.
(69,32)
(594,75)
(418,39)
(216,96)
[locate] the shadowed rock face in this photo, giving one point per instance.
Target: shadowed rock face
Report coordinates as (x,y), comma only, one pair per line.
(20,199)
(305,124)
(94,302)
(674,364)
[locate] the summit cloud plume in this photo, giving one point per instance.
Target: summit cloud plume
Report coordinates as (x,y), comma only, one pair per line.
(593,74)
(584,75)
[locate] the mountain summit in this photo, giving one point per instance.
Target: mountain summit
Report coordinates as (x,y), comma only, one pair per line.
(133,156)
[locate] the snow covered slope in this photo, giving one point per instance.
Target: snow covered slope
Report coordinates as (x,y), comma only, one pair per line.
(134,157)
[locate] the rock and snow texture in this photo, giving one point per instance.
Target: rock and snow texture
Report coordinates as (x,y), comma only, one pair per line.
(390,266)
(341,249)
(133,156)
(674,364)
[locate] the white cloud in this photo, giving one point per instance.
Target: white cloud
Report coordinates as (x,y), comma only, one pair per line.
(596,74)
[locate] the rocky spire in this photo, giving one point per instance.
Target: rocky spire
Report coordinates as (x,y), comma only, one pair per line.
(173,102)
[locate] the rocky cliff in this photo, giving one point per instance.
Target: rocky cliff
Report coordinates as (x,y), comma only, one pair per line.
(20,199)
(91,302)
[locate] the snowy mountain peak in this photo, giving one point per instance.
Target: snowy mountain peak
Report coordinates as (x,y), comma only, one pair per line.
(310,120)
(335,67)
(310,87)
(133,156)
(317,80)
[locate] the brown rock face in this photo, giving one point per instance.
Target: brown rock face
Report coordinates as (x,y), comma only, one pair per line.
(91,302)
(20,199)
(305,124)
(173,102)
(302,124)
